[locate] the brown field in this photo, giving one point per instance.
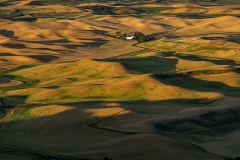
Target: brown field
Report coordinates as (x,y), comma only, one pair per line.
(70,88)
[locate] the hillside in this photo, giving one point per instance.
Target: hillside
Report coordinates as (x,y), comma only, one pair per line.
(72,86)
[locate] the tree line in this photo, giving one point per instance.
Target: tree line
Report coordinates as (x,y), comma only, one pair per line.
(101,8)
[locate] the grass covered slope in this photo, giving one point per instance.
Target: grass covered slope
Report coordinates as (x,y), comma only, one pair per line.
(123,80)
(119,97)
(70,88)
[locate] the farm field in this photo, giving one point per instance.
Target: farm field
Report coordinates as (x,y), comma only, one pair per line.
(72,86)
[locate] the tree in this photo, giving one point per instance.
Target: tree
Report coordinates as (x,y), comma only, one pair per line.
(107,9)
(98,8)
(119,34)
(140,37)
(101,8)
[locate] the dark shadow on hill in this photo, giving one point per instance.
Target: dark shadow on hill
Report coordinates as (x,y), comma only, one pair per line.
(8,105)
(51,87)
(230,37)
(33,154)
(6,54)
(10,102)
(194,84)
(146,110)
(198,58)
(232,65)
(54,2)
(194,16)
(22,19)
(15,46)
(211,123)
(44,58)
(99,32)
(114,28)
(73,46)
(49,42)
(79,120)
(16,69)
(151,64)
(25,82)
(48,49)
(4,80)
(4,4)
(157,35)
(7,33)
(2,113)
(96,42)
(79,116)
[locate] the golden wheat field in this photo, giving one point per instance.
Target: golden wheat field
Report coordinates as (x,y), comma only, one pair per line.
(73,87)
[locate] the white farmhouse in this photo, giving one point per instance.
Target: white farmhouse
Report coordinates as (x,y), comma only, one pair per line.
(130,37)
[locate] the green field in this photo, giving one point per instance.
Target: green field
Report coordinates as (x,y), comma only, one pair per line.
(72,86)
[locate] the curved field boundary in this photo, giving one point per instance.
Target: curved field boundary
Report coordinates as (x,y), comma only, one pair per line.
(20,151)
(7,82)
(95,125)
(2,114)
(195,73)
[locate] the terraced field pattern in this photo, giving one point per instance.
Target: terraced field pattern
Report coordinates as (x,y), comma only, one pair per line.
(72,87)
